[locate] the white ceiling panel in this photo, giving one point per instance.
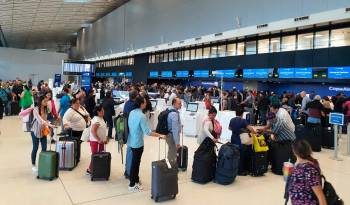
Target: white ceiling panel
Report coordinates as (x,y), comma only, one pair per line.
(29,22)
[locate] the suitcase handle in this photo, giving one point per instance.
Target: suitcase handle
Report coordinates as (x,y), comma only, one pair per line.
(159,149)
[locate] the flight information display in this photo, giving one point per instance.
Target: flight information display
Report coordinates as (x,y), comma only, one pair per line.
(248,73)
(153,74)
(303,73)
(182,74)
(128,74)
(286,72)
(257,73)
(339,72)
(201,73)
(77,67)
(225,73)
(166,74)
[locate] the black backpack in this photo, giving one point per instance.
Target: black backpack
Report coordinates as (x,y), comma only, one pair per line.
(162,126)
(228,164)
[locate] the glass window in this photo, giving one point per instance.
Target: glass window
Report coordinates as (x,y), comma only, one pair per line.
(199,53)
(206,52)
(187,55)
(322,39)
(231,49)
(340,37)
(165,57)
(161,57)
(250,47)
(288,43)
(171,57)
(214,51)
(240,49)
(193,54)
(157,58)
(305,41)
(263,46)
(221,51)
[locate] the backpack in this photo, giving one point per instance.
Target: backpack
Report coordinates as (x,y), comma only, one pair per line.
(121,128)
(228,164)
(162,126)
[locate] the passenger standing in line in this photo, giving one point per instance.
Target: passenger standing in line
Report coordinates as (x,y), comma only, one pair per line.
(128,107)
(52,116)
(26,98)
(90,102)
(210,127)
(282,115)
(172,96)
(65,103)
(138,128)
(263,107)
(108,106)
(236,125)
(174,126)
(40,123)
(315,111)
(249,105)
(305,183)
(98,133)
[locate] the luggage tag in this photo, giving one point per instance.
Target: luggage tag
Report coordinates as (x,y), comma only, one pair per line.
(168,163)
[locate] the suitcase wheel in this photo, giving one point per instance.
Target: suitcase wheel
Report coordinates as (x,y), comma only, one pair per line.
(50,179)
(92,179)
(174,196)
(156,199)
(37,177)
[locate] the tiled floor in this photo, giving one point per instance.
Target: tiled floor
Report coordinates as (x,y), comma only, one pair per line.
(19,186)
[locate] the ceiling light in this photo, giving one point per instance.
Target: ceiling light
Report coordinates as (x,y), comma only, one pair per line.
(275,41)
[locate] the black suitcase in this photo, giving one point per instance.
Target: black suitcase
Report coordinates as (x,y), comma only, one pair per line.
(15,108)
(164,180)
(300,131)
(101,166)
(204,163)
(259,163)
(182,156)
(328,138)
(314,136)
(280,152)
(2,108)
(77,147)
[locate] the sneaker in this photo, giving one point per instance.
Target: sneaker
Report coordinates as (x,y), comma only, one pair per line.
(34,169)
(88,172)
(136,188)
(140,186)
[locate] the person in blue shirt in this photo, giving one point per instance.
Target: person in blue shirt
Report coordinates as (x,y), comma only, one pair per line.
(236,125)
(138,128)
(128,107)
(65,103)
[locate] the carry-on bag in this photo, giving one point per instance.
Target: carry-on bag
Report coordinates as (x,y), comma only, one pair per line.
(204,163)
(101,165)
(182,156)
(314,136)
(280,152)
(48,163)
(228,164)
(66,150)
(327,138)
(164,179)
(77,146)
(259,162)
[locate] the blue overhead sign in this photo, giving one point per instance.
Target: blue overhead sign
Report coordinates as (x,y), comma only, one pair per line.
(339,72)
(225,73)
(286,72)
(336,118)
(303,73)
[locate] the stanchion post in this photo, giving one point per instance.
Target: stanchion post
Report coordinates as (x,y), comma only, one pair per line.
(336,144)
(348,140)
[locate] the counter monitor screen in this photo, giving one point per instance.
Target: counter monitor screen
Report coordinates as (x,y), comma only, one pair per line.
(192,107)
(116,94)
(154,104)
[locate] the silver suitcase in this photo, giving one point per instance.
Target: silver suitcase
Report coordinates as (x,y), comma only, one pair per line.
(67,155)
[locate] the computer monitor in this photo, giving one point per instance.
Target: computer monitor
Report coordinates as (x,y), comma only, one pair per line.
(154,104)
(192,107)
(215,100)
(116,94)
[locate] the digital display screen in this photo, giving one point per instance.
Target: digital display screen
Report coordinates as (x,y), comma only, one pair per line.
(153,74)
(128,74)
(248,73)
(114,74)
(225,73)
(303,73)
(192,107)
(286,72)
(77,67)
(262,73)
(166,74)
(339,72)
(201,73)
(182,74)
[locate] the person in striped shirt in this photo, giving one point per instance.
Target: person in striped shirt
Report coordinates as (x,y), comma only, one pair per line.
(280,129)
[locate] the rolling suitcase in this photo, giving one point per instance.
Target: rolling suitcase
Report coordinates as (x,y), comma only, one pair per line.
(77,146)
(259,163)
(204,163)
(48,164)
(101,165)
(164,179)
(314,136)
(300,131)
(328,138)
(280,152)
(228,164)
(66,150)
(182,156)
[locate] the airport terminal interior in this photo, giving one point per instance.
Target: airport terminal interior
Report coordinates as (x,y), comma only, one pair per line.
(174,102)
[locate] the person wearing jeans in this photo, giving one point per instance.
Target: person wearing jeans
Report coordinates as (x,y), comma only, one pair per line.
(138,128)
(35,141)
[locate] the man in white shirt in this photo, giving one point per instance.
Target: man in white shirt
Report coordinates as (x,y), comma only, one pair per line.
(172,96)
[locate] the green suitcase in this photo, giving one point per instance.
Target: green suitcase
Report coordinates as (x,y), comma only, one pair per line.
(48,163)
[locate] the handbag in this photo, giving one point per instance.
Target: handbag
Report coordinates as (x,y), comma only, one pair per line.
(45,131)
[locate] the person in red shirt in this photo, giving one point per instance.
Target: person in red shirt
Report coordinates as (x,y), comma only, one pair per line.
(207,101)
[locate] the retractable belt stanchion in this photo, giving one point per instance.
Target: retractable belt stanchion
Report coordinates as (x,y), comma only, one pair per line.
(337,119)
(348,140)
(336,144)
